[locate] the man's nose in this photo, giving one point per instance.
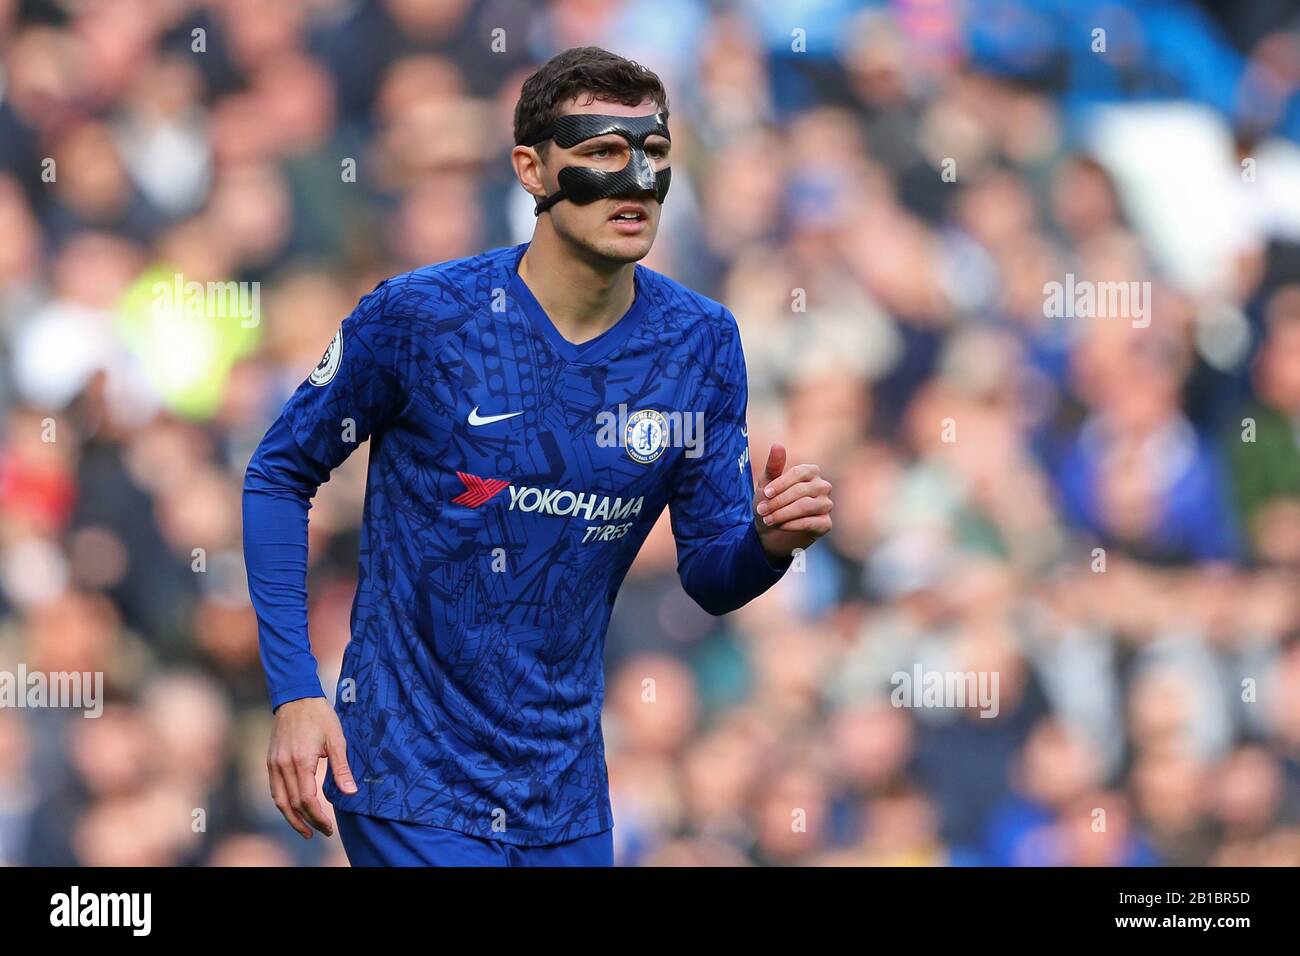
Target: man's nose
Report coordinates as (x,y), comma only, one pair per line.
(643,170)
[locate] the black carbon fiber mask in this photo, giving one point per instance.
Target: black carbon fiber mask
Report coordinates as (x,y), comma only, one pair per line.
(583,184)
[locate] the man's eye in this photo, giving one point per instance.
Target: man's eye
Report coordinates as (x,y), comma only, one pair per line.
(599,153)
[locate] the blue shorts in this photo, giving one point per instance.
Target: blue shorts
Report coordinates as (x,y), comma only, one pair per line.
(373,841)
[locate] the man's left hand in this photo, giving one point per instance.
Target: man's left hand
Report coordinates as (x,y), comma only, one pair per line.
(792,506)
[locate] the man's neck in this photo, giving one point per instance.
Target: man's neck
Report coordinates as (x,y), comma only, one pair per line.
(582,297)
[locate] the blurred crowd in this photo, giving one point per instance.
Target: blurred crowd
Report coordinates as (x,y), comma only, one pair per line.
(1102,510)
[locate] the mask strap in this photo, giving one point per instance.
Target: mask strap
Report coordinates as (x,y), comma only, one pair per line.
(547,202)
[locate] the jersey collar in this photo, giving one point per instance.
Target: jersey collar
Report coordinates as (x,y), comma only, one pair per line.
(579,353)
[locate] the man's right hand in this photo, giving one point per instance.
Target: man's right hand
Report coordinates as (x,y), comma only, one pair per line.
(306,730)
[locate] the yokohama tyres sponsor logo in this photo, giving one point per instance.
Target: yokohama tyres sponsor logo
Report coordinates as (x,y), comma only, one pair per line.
(557,502)
(574,504)
(477,490)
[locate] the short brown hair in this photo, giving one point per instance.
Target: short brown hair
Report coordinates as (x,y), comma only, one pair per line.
(583,69)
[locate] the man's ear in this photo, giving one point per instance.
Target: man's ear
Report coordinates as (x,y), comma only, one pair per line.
(528,169)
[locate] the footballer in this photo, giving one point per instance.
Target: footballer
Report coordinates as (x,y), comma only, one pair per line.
(500,519)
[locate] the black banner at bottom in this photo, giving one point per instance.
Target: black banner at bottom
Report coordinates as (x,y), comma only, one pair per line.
(232,906)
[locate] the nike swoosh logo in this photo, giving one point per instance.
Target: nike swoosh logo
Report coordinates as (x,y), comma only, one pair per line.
(476,419)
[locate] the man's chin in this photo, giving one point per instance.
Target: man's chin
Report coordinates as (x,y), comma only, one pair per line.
(623,249)
(604,246)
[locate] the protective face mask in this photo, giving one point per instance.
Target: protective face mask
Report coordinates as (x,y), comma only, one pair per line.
(583,184)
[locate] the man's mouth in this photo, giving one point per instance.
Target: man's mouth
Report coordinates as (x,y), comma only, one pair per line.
(628,213)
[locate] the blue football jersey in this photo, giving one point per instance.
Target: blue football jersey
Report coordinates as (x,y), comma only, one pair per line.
(513,476)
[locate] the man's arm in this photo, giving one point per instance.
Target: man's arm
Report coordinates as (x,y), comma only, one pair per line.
(728,550)
(278,487)
(353,392)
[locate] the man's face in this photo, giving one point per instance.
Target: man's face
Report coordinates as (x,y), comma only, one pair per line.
(619,229)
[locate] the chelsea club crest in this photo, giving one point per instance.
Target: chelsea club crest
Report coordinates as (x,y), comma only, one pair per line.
(646,435)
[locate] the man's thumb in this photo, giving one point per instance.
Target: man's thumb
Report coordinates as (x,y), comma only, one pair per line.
(775,464)
(337,748)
